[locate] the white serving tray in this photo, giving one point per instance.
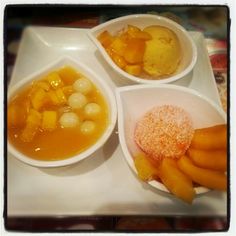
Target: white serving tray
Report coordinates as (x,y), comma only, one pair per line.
(102,184)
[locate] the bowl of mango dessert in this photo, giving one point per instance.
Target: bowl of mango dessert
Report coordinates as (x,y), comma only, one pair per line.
(146,48)
(59,115)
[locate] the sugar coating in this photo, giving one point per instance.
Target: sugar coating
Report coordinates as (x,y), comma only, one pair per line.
(164,131)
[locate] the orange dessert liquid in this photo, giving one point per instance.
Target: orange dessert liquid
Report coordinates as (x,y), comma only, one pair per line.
(61,143)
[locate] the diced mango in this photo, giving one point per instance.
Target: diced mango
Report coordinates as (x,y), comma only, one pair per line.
(49,120)
(146,171)
(205,177)
(105,38)
(118,46)
(32,124)
(133,69)
(119,60)
(135,51)
(16,116)
(34,117)
(52,98)
(55,80)
(68,90)
(56,97)
(43,84)
(61,96)
(68,75)
(135,32)
(38,98)
(175,181)
(131,29)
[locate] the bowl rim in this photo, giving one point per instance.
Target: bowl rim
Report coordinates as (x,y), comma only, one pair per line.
(127,156)
(98,144)
(186,71)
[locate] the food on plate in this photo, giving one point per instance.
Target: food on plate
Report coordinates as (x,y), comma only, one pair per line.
(164,131)
(165,137)
(176,181)
(58,116)
(150,53)
(210,138)
(205,177)
(146,170)
(163,52)
(209,159)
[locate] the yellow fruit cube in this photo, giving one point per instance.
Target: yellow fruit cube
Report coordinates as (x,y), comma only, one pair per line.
(118,46)
(38,98)
(32,124)
(68,90)
(49,120)
(61,96)
(133,69)
(68,75)
(55,80)
(15,116)
(105,38)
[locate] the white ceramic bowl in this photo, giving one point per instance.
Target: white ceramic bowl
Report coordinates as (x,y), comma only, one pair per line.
(142,20)
(134,101)
(99,82)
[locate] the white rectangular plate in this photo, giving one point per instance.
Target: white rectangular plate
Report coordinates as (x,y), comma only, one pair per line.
(102,184)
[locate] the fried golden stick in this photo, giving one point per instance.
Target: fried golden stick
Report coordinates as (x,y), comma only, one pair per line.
(205,177)
(176,182)
(209,159)
(214,137)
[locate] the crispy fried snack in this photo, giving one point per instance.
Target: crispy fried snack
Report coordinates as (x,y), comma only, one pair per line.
(176,182)
(214,137)
(205,177)
(209,159)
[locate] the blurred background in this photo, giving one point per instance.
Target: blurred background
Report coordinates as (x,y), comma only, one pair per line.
(212,21)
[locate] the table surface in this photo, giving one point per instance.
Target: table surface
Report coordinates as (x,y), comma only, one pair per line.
(212,22)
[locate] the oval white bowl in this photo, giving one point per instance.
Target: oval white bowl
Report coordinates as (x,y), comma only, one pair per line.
(102,86)
(134,101)
(143,20)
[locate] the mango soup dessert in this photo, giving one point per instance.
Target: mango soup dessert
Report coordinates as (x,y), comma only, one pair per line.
(58,116)
(151,53)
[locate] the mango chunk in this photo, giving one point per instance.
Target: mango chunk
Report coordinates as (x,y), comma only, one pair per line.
(16,116)
(118,60)
(55,80)
(133,69)
(61,96)
(214,137)
(68,90)
(105,38)
(56,97)
(118,46)
(209,159)
(49,120)
(68,75)
(43,84)
(33,122)
(135,51)
(146,171)
(176,181)
(38,98)
(205,177)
